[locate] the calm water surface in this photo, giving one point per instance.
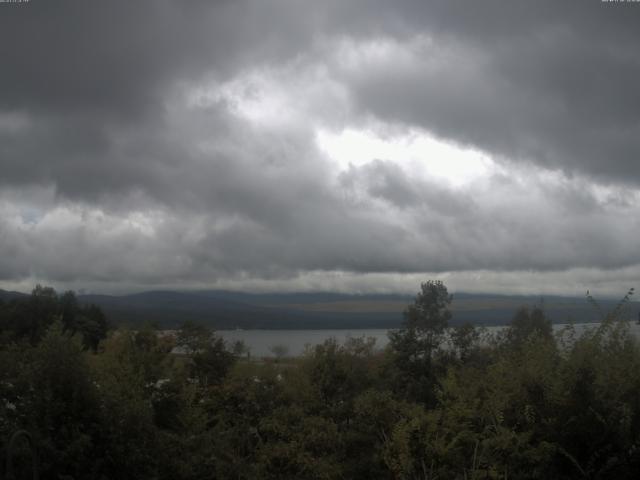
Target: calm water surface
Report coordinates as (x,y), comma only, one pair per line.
(260,342)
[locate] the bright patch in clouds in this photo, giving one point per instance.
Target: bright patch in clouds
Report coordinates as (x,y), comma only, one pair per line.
(297,94)
(417,152)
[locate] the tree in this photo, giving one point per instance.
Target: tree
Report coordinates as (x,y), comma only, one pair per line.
(125,381)
(61,405)
(338,373)
(193,337)
(87,320)
(296,444)
(212,363)
(93,325)
(527,322)
(210,359)
(464,338)
(40,312)
(68,305)
(240,348)
(279,351)
(430,314)
(414,345)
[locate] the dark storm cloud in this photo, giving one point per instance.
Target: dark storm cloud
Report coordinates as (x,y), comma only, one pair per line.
(91,81)
(113,168)
(547,82)
(553,83)
(119,56)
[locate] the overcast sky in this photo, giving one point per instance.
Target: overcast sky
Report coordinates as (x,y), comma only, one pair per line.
(357,146)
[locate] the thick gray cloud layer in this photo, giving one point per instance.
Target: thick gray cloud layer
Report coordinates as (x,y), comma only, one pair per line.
(547,82)
(175,143)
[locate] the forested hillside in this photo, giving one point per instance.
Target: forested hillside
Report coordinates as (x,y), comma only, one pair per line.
(123,404)
(229,310)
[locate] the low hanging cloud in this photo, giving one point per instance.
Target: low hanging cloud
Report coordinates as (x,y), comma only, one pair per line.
(185,150)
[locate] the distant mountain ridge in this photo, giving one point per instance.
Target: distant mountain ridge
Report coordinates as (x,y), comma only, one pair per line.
(8,295)
(229,310)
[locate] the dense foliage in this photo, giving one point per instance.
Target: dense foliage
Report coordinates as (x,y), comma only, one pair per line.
(437,403)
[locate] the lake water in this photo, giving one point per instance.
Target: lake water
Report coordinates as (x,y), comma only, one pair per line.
(260,342)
